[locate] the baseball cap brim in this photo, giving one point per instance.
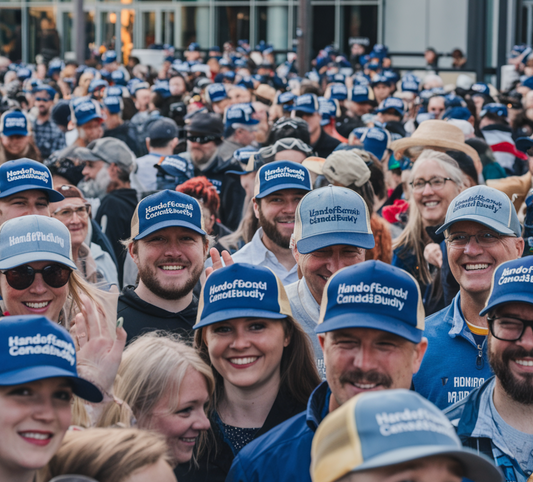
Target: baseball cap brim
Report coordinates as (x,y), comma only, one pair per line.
(510,298)
(281,187)
(377,152)
(306,110)
(362,319)
(53,195)
(90,118)
(224,315)
(81,387)
(16,132)
(169,224)
(494,225)
(25,258)
(478,468)
(320,241)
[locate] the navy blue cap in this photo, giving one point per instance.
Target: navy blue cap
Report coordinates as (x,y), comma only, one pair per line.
(286,99)
(86,111)
(338,91)
(358,132)
(524,143)
(162,128)
(114,91)
(193,47)
(97,84)
(162,88)
(244,153)
(373,295)
(35,348)
(45,88)
(461,113)
(23,73)
(329,108)
(176,167)
(113,104)
(106,75)
(410,84)
(307,103)
(109,57)
(376,141)
(242,290)
(118,77)
(380,51)
(391,75)
(361,79)
(166,209)
(480,88)
(247,83)
(279,175)
(380,79)
(453,100)
(392,103)
(216,92)
(14,123)
(494,108)
(511,284)
(25,174)
(240,114)
(362,93)
(528,82)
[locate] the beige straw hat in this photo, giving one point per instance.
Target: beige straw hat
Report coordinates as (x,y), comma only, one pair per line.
(437,133)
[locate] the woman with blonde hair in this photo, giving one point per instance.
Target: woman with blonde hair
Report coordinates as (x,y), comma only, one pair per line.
(112,455)
(166,387)
(434,181)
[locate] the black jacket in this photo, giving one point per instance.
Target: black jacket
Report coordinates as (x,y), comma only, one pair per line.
(114,216)
(214,464)
(229,189)
(142,317)
(127,133)
(325,144)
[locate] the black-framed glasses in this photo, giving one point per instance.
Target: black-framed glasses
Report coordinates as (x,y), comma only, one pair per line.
(484,240)
(22,277)
(436,183)
(201,139)
(508,328)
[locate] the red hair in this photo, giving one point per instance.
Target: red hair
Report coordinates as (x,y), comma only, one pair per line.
(200,188)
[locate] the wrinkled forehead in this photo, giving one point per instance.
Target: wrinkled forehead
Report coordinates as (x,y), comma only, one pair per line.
(470,227)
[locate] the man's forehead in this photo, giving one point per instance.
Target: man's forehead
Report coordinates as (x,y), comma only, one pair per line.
(360,333)
(518,309)
(27,194)
(468,226)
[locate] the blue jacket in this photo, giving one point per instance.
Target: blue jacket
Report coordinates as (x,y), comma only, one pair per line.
(453,364)
(284,453)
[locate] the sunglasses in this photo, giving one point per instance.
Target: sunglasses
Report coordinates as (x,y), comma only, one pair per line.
(42,99)
(22,277)
(201,139)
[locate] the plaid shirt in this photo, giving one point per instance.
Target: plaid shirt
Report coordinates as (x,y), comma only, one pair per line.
(48,138)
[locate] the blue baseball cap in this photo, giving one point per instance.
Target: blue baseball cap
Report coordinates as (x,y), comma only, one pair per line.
(410,84)
(480,88)
(362,93)
(35,348)
(484,205)
(511,283)
(524,143)
(166,209)
(113,104)
(106,75)
(86,111)
(357,132)
(118,77)
(193,47)
(453,100)
(97,84)
(175,169)
(109,57)
(329,216)
(307,103)
(328,108)
(494,108)
(286,100)
(392,103)
(528,82)
(114,91)
(45,88)
(26,174)
(23,73)
(361,79)
(380,79)
(162,88)
(246,82)
(242,290)
(391,75)
(338,91)
(336,78)
(240,114)
(376,141)
(14,123)
(388,427)
(216,92)
(461,113)
(373,295)
(279,175)
(34,238)
(244,153)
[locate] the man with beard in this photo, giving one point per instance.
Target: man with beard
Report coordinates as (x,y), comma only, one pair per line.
(497,418)
(48,137)
(482,231)
(279,187)
(169,246)
(370,330)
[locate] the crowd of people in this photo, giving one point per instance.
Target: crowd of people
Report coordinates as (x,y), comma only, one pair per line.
(220,271)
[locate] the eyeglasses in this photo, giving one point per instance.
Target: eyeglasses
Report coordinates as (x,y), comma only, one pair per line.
(201,139)
(483,239)
(67,212)
(507,328)
(42,99)
(436,183)
(22,277)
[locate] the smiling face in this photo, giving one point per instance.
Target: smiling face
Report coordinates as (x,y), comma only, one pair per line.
(473,265)
(24,203)
(433,203)
(38,299)
(33,420)
(276,214)
(182,424)
(512,361)
(72,212)
(247,351)
(362,359)
(16,144)
(170,261)
(318,266)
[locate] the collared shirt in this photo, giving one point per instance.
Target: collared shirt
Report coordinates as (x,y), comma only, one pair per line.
(256,253)
(306,311)
(48,138)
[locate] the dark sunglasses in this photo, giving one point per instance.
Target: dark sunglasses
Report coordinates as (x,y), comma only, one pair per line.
(201,139)
(42,99)
(22,277)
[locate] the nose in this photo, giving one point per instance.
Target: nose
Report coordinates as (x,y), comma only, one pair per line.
(363,359)
(44,410)
(201,422)
(527,339)
(38,286)
(472,247)
(85,171)
(240,341)
(427,189)
(334,263)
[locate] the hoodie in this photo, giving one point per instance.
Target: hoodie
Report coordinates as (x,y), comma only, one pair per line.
(142,317)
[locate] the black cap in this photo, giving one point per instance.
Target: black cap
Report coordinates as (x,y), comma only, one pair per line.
(163,128)
(61,113)
(209,124)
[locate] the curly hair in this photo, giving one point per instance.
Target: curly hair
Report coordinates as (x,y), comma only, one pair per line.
(200,188)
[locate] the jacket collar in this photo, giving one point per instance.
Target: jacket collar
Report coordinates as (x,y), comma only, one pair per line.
(316,405)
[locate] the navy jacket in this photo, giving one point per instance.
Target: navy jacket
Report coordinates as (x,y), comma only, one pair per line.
(284,453)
